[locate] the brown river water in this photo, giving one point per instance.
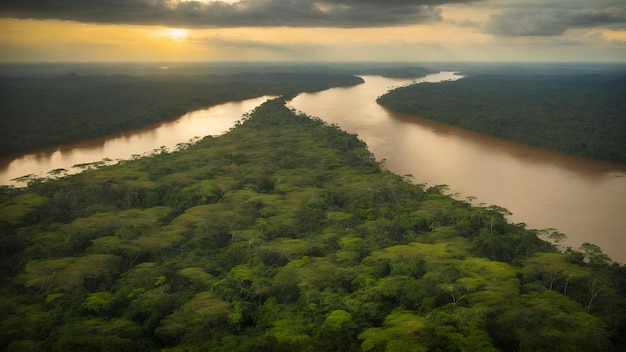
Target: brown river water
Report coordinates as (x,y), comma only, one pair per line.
(583,198)
(214,120)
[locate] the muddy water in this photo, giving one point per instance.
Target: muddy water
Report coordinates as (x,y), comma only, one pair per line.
(210,121)
(583,198)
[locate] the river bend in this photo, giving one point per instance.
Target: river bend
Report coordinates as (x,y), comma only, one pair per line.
(583,198)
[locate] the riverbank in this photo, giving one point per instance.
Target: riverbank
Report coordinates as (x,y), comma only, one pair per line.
(581,197)
(74,157)
(49,111)
(583,115)
(285,234)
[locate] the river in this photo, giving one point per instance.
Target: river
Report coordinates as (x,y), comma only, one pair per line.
(583,198)
(125,145)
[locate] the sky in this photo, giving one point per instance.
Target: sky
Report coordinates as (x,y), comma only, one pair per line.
(312,30)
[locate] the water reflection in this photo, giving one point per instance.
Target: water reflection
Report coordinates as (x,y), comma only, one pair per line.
(211,121)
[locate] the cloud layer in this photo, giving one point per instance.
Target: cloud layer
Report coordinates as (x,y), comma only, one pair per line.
(530,18)
(553,22)
(255,13)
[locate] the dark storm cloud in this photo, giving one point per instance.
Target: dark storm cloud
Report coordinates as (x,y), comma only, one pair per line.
(551,22)
(264,13)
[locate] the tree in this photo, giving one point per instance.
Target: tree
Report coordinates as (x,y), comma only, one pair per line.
(338,332)
(553,236)
(98,302)
(457,292)
(595,285)
(160,282)
(548,321)
(593,255)
(398,331)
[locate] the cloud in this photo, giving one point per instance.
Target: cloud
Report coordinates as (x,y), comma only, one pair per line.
(244,13)
(553,22)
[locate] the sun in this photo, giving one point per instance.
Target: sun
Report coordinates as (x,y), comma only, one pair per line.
(176,33)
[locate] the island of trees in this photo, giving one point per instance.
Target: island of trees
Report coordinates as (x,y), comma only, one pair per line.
(581,114)
(285,234)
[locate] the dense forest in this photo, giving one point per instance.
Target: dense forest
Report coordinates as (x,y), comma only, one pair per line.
(40,111)
(388,69)
(578,114)
(285,234)
(397,72)
(111,98)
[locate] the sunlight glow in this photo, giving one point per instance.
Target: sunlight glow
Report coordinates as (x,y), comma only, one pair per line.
(176,33)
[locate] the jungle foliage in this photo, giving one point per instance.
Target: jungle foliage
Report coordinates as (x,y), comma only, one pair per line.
(578,114)
(285,234)
(41,111)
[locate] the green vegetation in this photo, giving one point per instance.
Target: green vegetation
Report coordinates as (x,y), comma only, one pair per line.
(43,105)
(578,114)
(285,234)
(47,111)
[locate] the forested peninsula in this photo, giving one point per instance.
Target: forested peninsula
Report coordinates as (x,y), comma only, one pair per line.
(41,111)
(578,114)
(285,234)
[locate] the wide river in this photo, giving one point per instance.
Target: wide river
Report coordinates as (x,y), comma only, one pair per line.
(583,198)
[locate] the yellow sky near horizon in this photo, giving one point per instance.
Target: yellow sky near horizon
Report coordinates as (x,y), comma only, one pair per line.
(57,40)
(449,40)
